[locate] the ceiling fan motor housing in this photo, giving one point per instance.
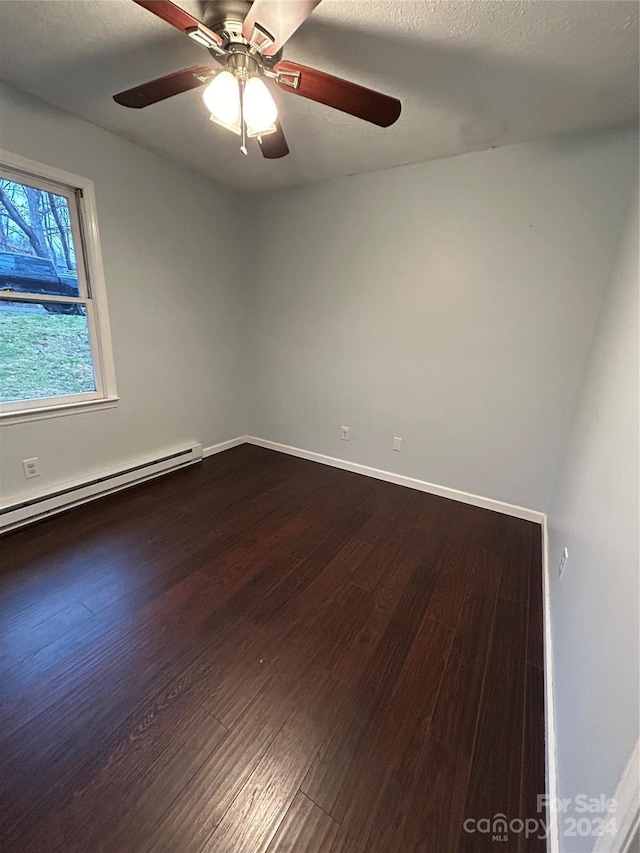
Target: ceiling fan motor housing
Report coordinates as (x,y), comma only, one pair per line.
(226,17)
(241,63)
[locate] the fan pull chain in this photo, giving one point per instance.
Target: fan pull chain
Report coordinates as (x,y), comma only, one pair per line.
(243,126)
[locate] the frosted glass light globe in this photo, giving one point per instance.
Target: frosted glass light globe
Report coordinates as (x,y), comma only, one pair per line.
(260,110)
(222,97)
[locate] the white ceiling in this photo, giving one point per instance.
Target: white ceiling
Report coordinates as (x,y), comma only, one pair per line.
(470,75)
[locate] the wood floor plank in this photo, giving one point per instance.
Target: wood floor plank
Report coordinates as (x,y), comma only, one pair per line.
(415,804)
(79,741)
(485,573)
(533,761)
(99,694)
(193,816)
(448,599)
(260,653)
(497,753)
(253,819)
(302,648)
(333,764)
(203,803)
(393,728)
(24,639)
(168,782)
(458,703)
(49,673)
(535,632)
(265,575)
(325,542)
(517,557)
(409,712)
(126,799)
(428,800)
(456,564)
(301,612)
(355,656)
(86,670)
(385,550)
(277,598)
(305,827)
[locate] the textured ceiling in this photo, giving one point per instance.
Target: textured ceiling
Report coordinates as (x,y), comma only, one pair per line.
(470,76)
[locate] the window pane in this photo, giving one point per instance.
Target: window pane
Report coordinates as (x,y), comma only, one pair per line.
(45,351)
(37,252)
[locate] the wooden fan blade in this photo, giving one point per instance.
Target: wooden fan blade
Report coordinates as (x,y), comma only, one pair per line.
(340,94)
(165,87)
(177,17)
(280,19)
(274,145)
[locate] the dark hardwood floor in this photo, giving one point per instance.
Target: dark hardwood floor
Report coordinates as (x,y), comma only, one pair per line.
(261,654)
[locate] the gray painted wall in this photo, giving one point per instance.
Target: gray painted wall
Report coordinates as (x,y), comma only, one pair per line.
(175,301)
(450,303)
(595,514)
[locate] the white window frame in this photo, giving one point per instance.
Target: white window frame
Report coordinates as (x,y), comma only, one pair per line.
(92,292)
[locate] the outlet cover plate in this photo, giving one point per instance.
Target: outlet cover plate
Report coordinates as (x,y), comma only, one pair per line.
(563,562)
(31,467)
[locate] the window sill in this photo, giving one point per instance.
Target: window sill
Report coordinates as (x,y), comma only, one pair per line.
(7,418)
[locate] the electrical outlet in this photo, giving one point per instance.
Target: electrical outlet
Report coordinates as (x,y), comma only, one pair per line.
(397,443)
(31,467)
(563,562)
(344,433)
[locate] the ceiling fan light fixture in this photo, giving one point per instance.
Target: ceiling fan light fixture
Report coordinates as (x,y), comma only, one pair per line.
(258,134)
(222,98)
(234,128)
(260,111)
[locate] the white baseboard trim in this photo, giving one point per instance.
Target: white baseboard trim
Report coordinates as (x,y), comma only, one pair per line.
(224,445)
(551,761)
(627,815)
(401,480)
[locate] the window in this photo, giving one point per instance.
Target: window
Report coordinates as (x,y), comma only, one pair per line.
(55,349)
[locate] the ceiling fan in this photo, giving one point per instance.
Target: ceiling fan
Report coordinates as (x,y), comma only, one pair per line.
(246,40)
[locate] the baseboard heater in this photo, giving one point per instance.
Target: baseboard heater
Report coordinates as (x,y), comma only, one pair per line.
(72,494)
